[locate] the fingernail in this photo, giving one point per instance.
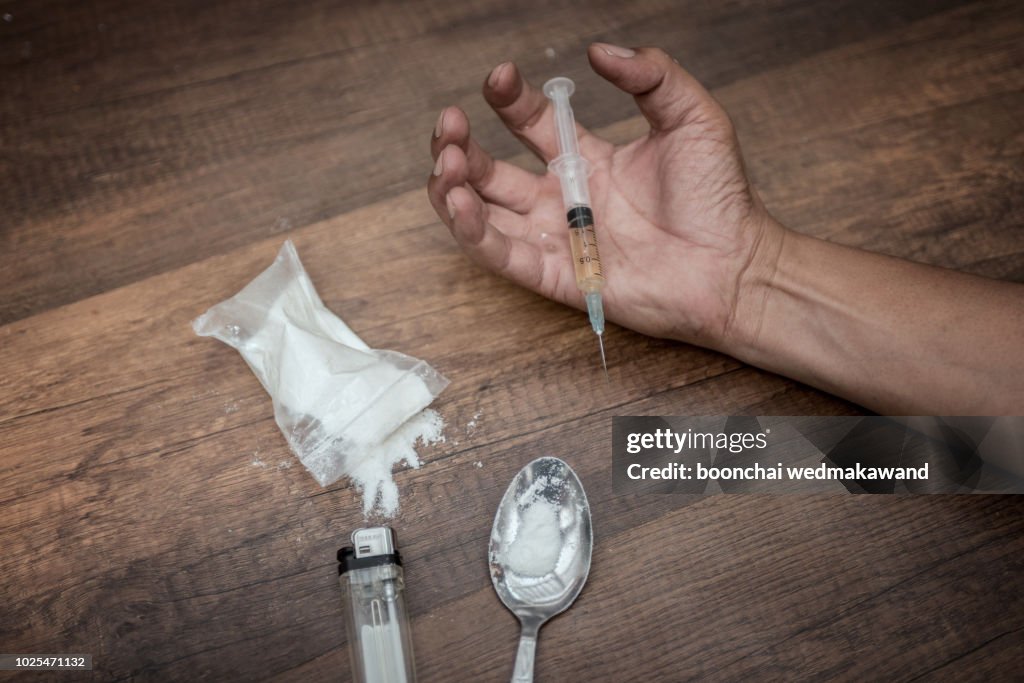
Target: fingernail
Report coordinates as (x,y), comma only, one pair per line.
(616,51)
(495,76)
(451,205)
(439,126)
(439,166)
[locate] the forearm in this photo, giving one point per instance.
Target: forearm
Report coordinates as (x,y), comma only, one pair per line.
(895,336)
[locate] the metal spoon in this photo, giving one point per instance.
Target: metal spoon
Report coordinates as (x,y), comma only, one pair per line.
(533,598)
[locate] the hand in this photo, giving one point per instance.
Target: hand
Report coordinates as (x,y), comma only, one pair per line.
(683,237)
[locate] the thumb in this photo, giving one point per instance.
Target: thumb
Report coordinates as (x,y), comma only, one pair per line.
(667,95)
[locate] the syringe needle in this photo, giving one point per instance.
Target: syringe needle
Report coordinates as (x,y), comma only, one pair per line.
(604,363)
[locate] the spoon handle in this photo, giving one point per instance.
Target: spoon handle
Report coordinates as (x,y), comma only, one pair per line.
(523,672)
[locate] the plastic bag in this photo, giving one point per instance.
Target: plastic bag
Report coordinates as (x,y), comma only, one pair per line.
(334,397)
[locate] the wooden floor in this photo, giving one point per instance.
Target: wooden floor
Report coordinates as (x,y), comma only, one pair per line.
(156,154)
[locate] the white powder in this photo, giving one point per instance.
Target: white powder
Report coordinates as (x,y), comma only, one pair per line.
(538,541)
(344,408)
(535,550)
(372,475)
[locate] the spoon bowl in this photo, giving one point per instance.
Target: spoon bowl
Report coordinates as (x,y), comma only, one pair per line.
(540,550)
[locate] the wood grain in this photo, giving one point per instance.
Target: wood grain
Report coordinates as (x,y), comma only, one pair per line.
(155,155)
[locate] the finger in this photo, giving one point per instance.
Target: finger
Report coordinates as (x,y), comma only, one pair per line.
(666,94)
(451,170)
(514,259)
(528,114)
(497,182)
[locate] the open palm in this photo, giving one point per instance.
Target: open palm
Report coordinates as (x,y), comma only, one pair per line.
(677,223)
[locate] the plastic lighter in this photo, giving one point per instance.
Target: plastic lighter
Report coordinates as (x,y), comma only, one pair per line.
(380,642)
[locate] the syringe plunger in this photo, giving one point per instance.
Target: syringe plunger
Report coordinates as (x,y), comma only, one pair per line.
(571,168)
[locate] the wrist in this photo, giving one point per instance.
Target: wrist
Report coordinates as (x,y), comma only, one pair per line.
(743,333)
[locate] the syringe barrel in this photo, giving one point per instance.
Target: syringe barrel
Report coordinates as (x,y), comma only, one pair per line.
(573,172)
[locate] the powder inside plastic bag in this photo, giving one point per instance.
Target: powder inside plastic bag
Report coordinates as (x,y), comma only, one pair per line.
(344,408)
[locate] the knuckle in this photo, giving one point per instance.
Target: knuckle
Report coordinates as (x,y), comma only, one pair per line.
(531,117)
(659,55)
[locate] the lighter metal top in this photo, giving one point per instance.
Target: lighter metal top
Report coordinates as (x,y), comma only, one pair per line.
(372,541)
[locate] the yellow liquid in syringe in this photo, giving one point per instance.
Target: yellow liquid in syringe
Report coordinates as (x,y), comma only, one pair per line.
(586,258)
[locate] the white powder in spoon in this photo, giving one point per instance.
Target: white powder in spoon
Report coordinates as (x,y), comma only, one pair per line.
(535,550)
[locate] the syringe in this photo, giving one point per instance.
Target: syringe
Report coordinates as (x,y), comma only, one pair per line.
(573,170)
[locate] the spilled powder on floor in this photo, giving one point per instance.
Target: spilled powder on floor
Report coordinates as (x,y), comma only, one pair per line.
(372,475)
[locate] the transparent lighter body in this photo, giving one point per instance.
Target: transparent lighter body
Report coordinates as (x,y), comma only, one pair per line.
(380,641)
